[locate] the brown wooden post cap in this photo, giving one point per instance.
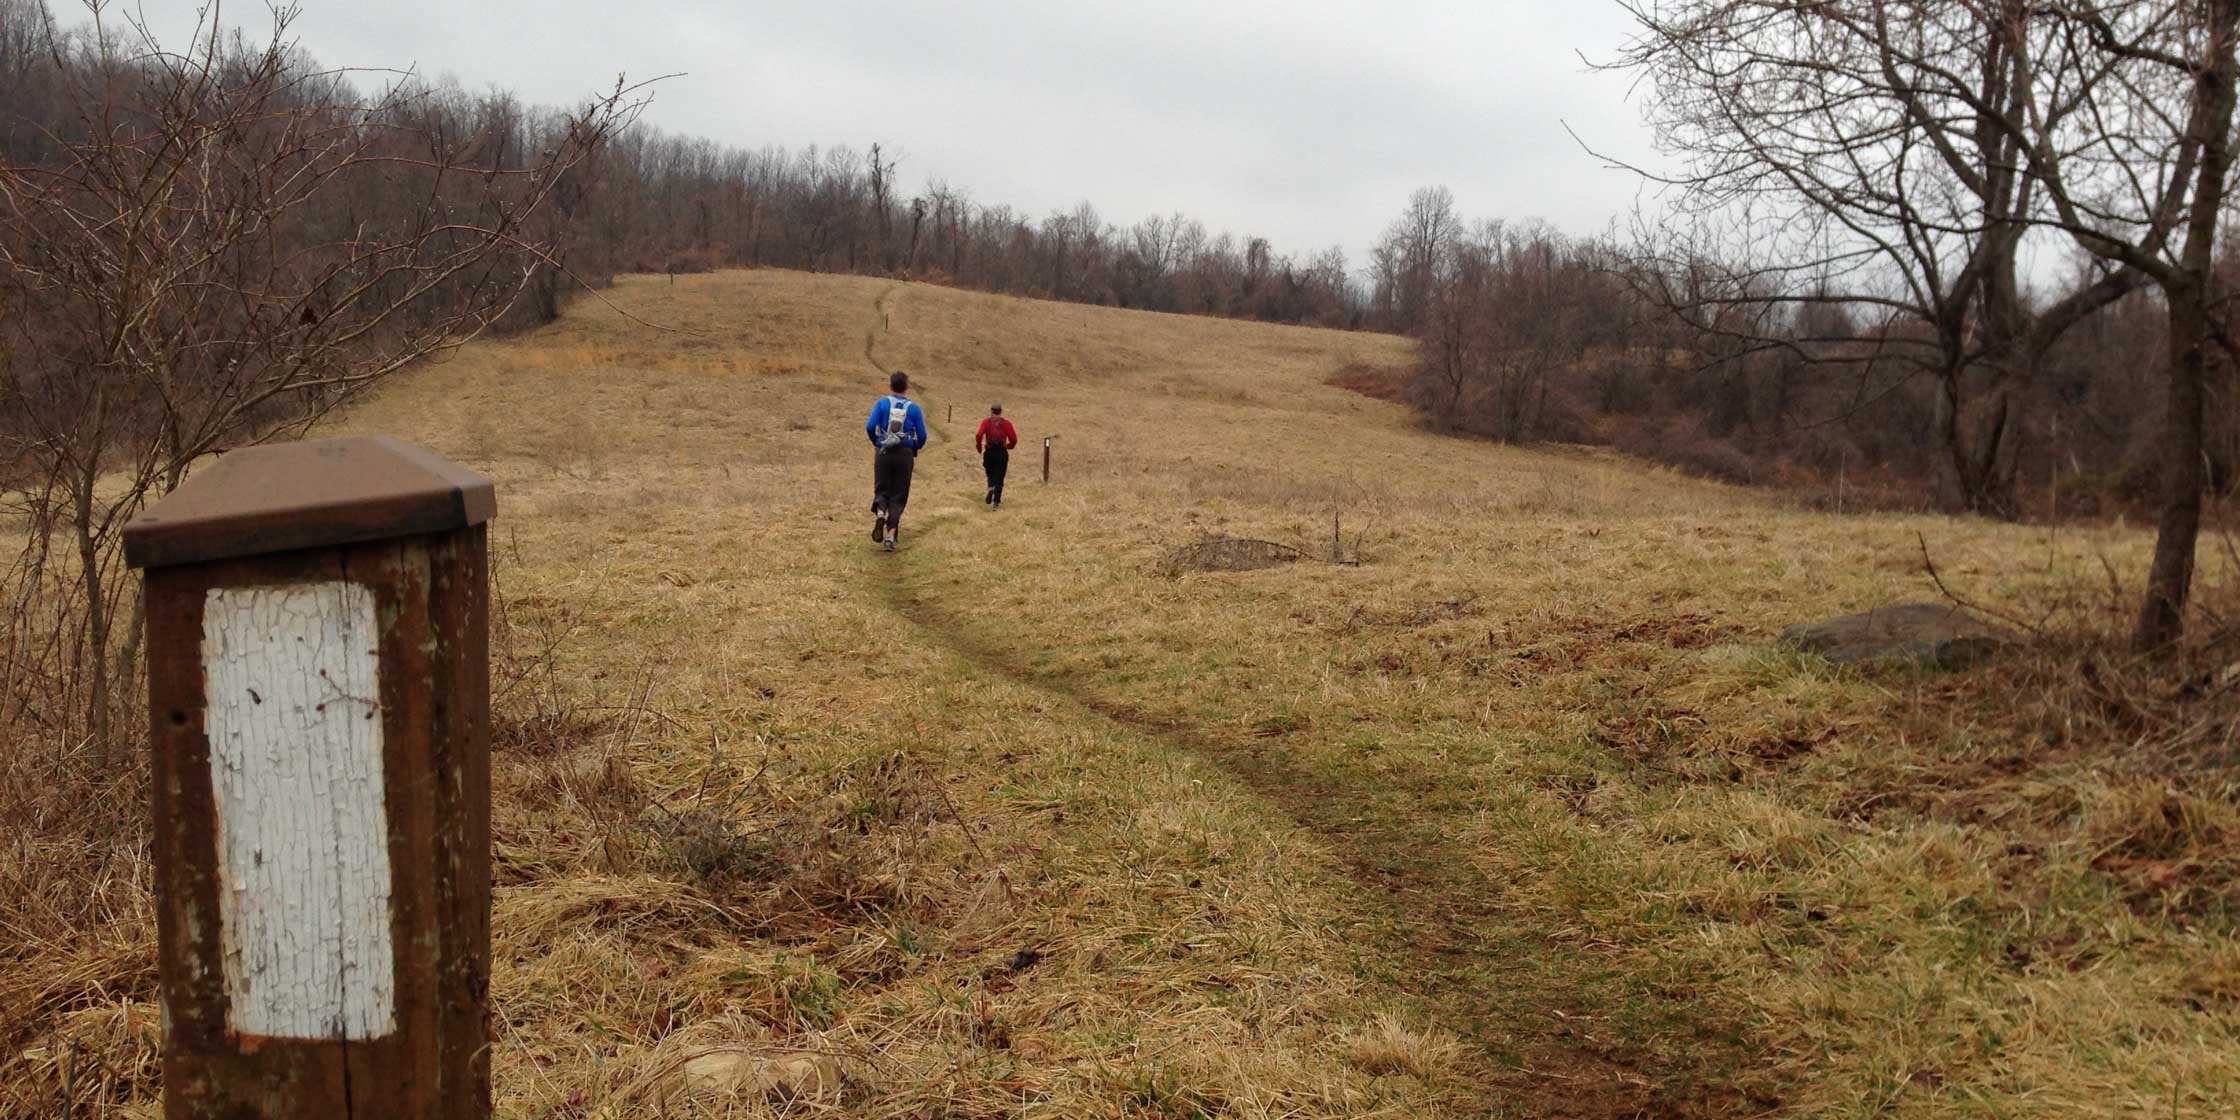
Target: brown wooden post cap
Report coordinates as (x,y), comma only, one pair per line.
(312,493)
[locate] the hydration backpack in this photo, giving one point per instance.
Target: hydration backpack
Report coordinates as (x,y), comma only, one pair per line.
(898,420)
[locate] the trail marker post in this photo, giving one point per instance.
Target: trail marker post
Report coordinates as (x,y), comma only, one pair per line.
(1046,457)
(318,691)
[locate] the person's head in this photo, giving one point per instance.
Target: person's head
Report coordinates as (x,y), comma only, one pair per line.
(995,410)
(900,382)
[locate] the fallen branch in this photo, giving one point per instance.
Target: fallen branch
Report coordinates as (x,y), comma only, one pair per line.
(1929,565)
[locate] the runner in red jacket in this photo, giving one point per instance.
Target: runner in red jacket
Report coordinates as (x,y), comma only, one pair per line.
(994,441)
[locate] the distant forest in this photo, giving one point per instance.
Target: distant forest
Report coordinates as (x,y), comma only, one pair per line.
(1922,371)
(650,201)
(1956,255)
(1529,335)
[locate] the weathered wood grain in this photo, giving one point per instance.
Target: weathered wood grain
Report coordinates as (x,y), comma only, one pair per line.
(292,715)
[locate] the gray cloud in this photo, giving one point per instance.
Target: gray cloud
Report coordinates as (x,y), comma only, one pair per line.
(1305,122)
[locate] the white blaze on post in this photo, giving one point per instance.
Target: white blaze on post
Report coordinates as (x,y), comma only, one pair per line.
(294,725)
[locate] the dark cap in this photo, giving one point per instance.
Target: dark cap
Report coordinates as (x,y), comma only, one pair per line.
(316,493)
(996,408)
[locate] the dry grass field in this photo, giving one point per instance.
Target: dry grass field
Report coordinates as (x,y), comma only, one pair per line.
(1518,810)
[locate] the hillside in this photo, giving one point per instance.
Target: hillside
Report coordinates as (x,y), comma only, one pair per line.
(1518,811)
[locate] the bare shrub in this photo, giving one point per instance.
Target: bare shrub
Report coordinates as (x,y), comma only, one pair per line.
(224,245)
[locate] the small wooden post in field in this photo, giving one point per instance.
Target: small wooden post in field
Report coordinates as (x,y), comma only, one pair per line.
(319,692)
(1046,457)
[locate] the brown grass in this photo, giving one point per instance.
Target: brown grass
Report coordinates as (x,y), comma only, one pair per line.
(1524,814)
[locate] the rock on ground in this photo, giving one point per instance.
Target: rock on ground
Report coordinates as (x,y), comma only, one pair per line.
(1935,634)
(727,1073)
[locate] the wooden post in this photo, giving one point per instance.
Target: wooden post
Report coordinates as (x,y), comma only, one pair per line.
(318,692)
(1046,457)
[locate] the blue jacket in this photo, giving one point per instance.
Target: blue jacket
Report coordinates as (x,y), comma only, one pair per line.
(913,423)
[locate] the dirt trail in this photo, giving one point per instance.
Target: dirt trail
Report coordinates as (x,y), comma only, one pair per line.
(1433,927)
(882,323)
(1528,999)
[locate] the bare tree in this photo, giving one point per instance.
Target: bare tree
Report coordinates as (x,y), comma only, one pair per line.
(1508,309)
(1406,260)
(1854,154)
(2130,136)
(882,209)
(1910,151)
(232,244)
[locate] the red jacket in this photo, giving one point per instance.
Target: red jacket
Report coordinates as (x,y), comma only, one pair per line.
(995,430)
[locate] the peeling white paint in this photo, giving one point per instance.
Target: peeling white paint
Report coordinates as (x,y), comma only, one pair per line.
(294,726)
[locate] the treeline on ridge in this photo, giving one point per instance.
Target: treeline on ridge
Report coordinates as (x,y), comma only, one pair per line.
(1527,334)
(1867,327)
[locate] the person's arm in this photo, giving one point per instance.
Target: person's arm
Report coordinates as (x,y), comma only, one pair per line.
(917,421)
(980,437)
(1010,435)
(871,422)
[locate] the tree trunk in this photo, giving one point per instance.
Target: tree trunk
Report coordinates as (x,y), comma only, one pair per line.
(97,611)
(2189,291)
(2162,615)
(1993,454)
(1976,435)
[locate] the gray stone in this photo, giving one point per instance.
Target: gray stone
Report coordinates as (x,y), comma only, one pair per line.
(1939,635)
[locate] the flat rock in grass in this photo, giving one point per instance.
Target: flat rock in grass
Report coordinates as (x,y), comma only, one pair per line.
(732,1073)
(1939,635)
(1227,554)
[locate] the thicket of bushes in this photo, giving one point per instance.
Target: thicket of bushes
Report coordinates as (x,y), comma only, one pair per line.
(1528,334)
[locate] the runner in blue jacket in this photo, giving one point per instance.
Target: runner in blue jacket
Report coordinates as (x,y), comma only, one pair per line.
(897,429)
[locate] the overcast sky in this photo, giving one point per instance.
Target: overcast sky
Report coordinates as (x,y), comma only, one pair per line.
(1307,122)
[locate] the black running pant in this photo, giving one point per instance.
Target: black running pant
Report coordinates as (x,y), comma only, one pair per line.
(997,460)
(890,482)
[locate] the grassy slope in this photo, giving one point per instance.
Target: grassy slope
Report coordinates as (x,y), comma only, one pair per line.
(1525,814)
